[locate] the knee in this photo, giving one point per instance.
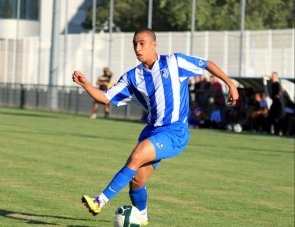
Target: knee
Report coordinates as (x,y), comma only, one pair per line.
(136,183)
(135,161)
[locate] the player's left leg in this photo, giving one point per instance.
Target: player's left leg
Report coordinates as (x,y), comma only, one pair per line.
(167,142)
(138,193)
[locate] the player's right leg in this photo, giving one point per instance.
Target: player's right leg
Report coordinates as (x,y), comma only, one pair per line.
(92,204)
(120,180)
(143,153)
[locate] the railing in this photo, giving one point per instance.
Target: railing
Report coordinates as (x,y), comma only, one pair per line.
(67,100)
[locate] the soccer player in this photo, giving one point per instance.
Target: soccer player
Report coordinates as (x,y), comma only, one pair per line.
(160,84)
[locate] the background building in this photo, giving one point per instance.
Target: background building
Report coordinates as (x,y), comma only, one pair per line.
(26,18)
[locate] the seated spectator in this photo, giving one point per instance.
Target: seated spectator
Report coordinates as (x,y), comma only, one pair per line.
(237,114)
(197,118)
(264,105)
(216,92)
(258,113)
(266,101)
(216,118)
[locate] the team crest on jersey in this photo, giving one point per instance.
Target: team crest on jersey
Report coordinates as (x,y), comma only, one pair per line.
(165,73)
(201,63)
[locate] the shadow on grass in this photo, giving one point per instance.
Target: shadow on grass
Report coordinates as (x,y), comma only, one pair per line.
(36,219)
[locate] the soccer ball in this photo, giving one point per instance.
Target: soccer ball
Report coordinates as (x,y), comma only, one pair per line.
(127,216)
(237,128)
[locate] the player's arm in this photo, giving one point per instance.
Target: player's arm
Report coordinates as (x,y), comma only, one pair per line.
(233,94)
(96,94)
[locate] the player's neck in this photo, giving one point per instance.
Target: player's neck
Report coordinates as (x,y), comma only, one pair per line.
(150,63)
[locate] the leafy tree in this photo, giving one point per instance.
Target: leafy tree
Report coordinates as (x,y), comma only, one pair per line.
(175,15)
(131,14)
(171,15)
(269,14)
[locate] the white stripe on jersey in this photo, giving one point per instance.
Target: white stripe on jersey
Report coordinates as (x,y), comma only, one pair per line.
(157,79)
(175,81)
(183,63)
(118,89)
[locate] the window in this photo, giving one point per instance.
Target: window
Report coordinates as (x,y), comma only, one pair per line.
(29,9)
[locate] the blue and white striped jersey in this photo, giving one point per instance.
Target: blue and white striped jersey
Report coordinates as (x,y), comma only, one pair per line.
(163,90)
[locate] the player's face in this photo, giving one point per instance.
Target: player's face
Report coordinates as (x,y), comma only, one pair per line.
(144,47)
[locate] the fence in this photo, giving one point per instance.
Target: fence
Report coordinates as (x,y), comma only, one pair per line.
(27,61)
(69,100)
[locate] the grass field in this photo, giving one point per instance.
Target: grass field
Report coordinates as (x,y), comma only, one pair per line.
(49,160)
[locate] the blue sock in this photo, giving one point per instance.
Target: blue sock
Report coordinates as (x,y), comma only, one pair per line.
(120,180)
(139,197)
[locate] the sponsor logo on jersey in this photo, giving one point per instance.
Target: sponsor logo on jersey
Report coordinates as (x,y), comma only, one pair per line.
(160,145)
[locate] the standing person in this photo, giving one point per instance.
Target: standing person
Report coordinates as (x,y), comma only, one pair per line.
(103,83)
(160,84)
(276,112)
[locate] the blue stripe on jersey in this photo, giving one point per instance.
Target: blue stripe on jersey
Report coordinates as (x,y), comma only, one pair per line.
(150,89)
(173,98)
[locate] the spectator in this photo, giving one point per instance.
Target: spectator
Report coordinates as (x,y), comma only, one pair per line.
(216,92)
(201,91)
(216,118)
(103,82)
(276,112)
(258,113)
(264,106)
(266,100)
(197,118)
(238,113)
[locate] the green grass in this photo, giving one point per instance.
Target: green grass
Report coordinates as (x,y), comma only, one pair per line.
(48,160)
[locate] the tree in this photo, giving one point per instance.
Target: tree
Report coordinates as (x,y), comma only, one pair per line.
(271,14)
(210,15)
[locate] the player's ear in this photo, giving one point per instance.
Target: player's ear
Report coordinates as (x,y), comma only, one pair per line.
(154,45)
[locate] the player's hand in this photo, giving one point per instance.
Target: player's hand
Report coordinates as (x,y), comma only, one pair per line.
(79,78)
(233,96)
